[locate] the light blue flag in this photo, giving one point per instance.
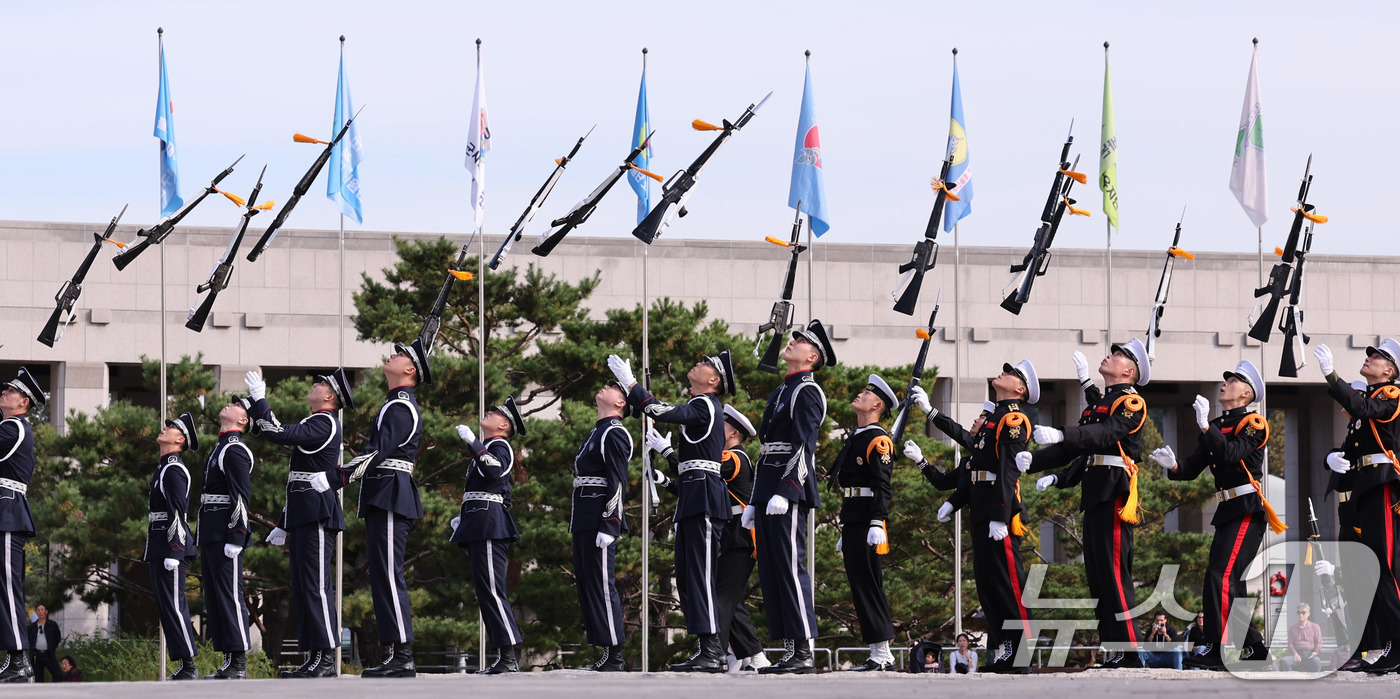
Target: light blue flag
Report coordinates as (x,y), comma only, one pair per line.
(343,181)
(641,184)
(808,181)
(959,174)
(170,200)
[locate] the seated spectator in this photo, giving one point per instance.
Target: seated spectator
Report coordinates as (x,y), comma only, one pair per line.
(925,655)
(1161,649)
(1195,633)
(71,673)
(963,661)
(1304,644)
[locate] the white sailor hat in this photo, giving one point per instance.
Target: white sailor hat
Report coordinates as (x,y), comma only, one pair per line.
(26,384)
(1390,349)
(185,423)
(877,385)
(1248,373)
(1134,350)
(724,364)
(419,356)
(816,335)
(740,423)
(1026,371)
(512,414)
(340,386)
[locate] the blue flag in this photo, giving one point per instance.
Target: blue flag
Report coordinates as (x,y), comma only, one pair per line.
(808,183)
(170,200)
(959,174)
(641,184)
(343,181)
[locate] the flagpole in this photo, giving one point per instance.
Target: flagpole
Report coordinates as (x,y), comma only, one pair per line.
(164,398)
(340,494)
(1108,225)
(957,417)
(811,253)
(480,367)
(647,504)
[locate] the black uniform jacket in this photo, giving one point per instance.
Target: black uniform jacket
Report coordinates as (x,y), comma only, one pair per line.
(792,421)
(484,519)
(737,470)
(395,441)
(700,486)
(1111,425)
(16,464)
(168,534)
(600,479)
(1233,442)
(228,474)
(315,443)
(866,461)
(991,450)
(1372,429)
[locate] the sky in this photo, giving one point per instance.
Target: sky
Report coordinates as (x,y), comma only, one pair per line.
(80,88)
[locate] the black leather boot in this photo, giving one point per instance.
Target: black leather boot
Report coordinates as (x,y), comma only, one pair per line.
(186,671)
(398,664)
(17,669)
(610,660)
(799,662)
(1387,662)
(378,670)
(300,671)
(322,666)
(505,662)
(709,658)
(235,667)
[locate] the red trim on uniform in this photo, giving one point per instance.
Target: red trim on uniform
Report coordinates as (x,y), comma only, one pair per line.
(1226,430)
(407,385)
(1390,538)
(1225,581)
(1118,570)
(1016,585)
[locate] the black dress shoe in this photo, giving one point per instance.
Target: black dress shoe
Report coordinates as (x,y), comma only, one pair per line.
(186,671)
(708,658)
(1206,657)
(1388,661)
(17,668)
(505,662)
(235,667)
(1352,665)
(873,666)
(799,662)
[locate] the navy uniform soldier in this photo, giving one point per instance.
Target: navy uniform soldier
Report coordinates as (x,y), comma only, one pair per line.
(169,544)
(862,474)
(1232,447)
(1100,455)
(597,520)
(1340,480)
(223,533)
(950,479)
(785,489)
(312,516)
(16,526)
(702,501)
(485,528)
(1373,434)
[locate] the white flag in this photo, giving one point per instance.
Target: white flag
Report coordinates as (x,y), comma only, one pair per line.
(1247,179)
(478,144)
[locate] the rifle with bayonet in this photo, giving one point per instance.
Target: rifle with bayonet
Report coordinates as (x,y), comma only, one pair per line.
(1037,260)
(303,185)
(1164,285)
(68,294)
(780,318)
(536,202)
(926,250)
(223,269)
(901,421)
(1333,604)
(565,224)
(675,191)
(1285,278)
(1291,324)
(158,233)
(433,321)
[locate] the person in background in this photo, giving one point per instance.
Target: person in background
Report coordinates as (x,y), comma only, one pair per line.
(44,638)
(925,655)
(71,673)
(1195,633)
(1304,643)
(1162,649)
(963,661)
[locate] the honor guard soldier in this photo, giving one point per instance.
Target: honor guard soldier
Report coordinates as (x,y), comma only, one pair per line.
(1369,451)
(952,478)
(1232,446)
(597,520)
(223,532)
(702,500)
(16,527)
(785,489)
(312,516)
(861,474)
(998,447)
(1100,455)
(486,530)
(1341,479)
(169,544)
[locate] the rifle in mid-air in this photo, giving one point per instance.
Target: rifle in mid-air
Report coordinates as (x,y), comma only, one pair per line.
(223,270)
(675,191)
(1164,285)
(536,202)
(780,318)
(158,233)
(68,294)
(1037,260)
(1286,281)
(565,224)
(1333,604)
(926,250)
(901,421)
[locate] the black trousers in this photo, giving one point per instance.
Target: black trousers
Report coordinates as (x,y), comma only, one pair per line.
(174,609)
(1356,624)
(489,560)
(225,610)
(1108,565)
(866,575)
(595,573)
(782,574)
(14,619)
(1235,544)
(312,578)
(1000,577)
(1376,517)
(697,557)
(732,587)
(44,660)
(386,538)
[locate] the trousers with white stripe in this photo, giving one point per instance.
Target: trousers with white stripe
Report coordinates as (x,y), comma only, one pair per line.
(225,609)
(13,616)
(489,560)
(312,579)
(697,558)
(595,573)
(783,576)
(174,609)
(386,538)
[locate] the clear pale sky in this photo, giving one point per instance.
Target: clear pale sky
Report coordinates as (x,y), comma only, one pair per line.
(80,88)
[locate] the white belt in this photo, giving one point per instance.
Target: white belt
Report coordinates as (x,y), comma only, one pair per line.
(775,448)
(700,464)
(590,482)
(211,499)
(1343,495)
(857,493)
(157,516)
(1106,460)
(736,509)
(397,465)
(301,476)
(16,486)
(1367,460)
(984,477)
(1232,493)
(478,495)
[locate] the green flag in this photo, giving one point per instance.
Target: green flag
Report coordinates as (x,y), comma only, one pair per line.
(1108,149)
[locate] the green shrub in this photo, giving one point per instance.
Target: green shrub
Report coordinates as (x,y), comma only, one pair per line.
(135,659)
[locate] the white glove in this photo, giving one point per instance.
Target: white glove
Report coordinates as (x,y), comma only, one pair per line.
(1165,457)
(945,512)
(1324,359)
(920,398)
(876,536)
(455,521)
(257,388)
(1023,461)
(622,370)
(1337,462)
(659,478)
(1324,568)
(277,537)
(839,541)
(466,434)
(1047,435)
(1202,408)
(913,452)
(1045,482)
(656,442)
(778,505)
(746,519)
(1081,367)
(232,550)
(604,540)
(172,563)
(996,531)
(320,483)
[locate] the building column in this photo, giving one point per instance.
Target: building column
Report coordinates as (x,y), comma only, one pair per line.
(80,386)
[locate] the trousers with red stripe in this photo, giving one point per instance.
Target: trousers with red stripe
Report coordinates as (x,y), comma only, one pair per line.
(1375,515)
(1235,544)
(1108,565)
(1001,577)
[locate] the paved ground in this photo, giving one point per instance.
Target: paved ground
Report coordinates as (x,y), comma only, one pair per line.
(582,685)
